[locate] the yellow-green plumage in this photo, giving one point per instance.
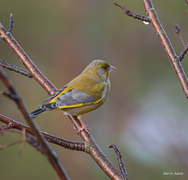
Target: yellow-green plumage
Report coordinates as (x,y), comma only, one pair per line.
(83,94)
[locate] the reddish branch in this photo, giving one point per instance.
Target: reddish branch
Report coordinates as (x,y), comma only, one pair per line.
(185,50)
(50,154)
(174,59)
(28,63)
(12,124)
(179,34)
(176,64)
(95,152)
(10,27)
(119,158)
(134,15)
(11,67)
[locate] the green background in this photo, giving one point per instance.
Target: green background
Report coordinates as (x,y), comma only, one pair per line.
(145,114)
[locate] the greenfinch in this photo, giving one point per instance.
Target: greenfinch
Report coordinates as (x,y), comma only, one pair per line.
(83,94)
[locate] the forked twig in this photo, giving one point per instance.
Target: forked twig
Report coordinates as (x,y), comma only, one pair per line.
(11,67)
(134,15)
(185,50)
(179,34)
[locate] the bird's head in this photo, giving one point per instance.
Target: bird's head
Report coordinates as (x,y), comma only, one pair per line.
(99,70)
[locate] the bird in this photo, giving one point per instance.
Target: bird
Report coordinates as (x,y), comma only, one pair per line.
(85,93)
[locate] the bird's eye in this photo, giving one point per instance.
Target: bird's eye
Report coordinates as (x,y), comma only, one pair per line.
(105,67)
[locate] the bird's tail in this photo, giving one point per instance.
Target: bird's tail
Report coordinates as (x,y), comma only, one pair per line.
(37,112)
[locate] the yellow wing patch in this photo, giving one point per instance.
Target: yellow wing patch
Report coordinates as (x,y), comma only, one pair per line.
(62,92)
(78,105)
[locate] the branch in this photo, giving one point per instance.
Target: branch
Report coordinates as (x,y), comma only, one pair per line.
(135,16)
(25,59)
(185,50)
(11,67)
(10,27)
(12,124)
(95,152)
(176,64)
(119,158)
(174,59)
(182,54)
(52,157)
(179,34)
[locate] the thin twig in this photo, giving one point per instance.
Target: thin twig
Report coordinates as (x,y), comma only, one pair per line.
(11,67)
(9,95)
(185,50)
(23,140)
(179,34)
(11,144)
(119,158)
(10,27)
(182,54)
(131,14)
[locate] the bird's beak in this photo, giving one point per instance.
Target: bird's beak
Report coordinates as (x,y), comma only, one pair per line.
(112,68)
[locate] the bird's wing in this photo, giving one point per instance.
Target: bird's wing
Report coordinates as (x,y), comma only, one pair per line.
(70,98)
(54,95)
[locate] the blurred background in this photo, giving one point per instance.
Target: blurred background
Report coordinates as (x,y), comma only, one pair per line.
(146,113)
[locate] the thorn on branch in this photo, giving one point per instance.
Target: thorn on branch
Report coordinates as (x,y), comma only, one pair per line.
(11,22)
(134,15)
(119,158)
(11,67)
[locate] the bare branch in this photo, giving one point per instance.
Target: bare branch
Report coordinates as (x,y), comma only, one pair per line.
(174,59)
(119,158)
(152,15)
(10,144)
(185,50)
(131,14)
(25,59)
(12,124)
(179,34)
(10,27)
(182,54)
(52,157)
(11,67)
